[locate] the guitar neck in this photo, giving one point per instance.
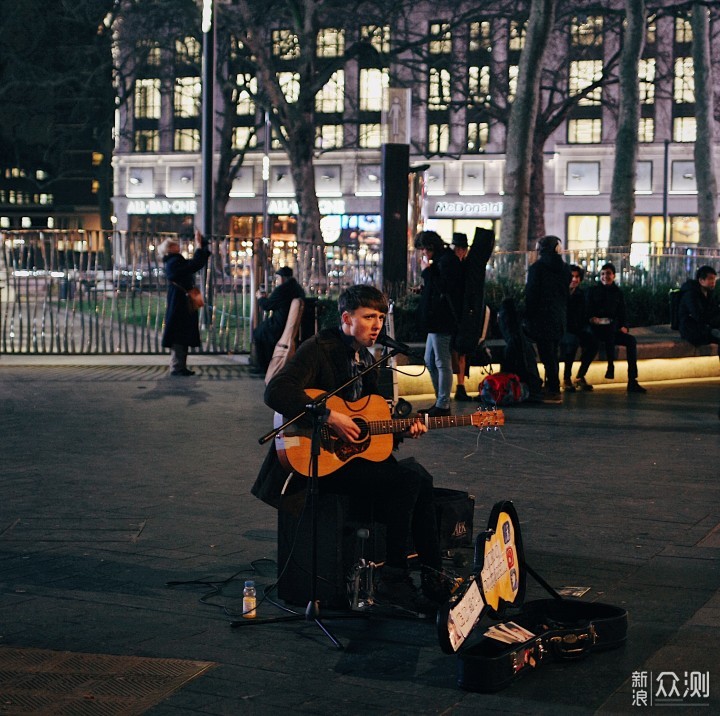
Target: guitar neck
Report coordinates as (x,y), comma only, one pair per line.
(400,425)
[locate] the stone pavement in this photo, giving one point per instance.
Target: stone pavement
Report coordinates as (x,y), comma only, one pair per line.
(118,480)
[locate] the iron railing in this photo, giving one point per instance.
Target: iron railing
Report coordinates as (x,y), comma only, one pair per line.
(74,292)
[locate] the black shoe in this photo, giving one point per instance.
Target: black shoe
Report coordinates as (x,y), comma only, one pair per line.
(436,412)
(183,371)
(610,372)
(551,398)
(634,387)
(568,386)
(461,394)
(582,384)
(395,588)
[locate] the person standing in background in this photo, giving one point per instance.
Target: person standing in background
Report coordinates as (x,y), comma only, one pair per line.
(459,360)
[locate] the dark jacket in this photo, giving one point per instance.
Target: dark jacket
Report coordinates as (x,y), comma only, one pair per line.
(323,362)
(577,318)
(270,330)
(442,293)
(607,302)
(698,313)
(181,324)
(546,296)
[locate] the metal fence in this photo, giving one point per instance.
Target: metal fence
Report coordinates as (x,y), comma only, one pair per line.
(73,292)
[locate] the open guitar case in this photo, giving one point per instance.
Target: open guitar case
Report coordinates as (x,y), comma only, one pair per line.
(559,628)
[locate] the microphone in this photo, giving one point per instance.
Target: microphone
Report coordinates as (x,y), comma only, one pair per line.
(385,340)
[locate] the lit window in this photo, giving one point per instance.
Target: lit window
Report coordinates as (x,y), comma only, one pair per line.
(147,140)
(651,30)
(478,134)
(331,98)
(587,32)
(147,99)
(244,138)
(646,76)
(438,89)
(683,30)
(584,131)
(684,129)
(441,42)
(290,85)
(187,96)
(378,36)
(438,137)
(247,86)
(286,45)
(331,42)
(372,83)
(479,83)
(370,136)
(187,140)
(584,73)
(480,38)
(151,52)
(329,136)
(513,71)
(646,129)
(684,84)
(275,141)
(188,51)
(517,35)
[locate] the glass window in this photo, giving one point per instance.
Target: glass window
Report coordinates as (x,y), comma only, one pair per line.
(587,31)
(683,30)
(329,136)
(438,138)
(188,51)
(588,232)
(438,89)
(584,73)
(651,30)
(684,230)
(646,76)
(331,42)
(147,140)
(285,45)
(186,140)
(331,98)
(244,138)
(147,99)
(517,35)
(646,129)
(684,129)
(290,85)
(372,83)
(584,131)
(378,36)
(441,42)
(684,84)
(478,134)
(479,84)
(370,136)
(247,85)
(513,71)
(480,37)
(187,96)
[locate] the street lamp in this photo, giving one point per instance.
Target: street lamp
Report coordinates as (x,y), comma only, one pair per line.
(206,146)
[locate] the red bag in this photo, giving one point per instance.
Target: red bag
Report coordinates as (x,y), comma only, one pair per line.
(502,389)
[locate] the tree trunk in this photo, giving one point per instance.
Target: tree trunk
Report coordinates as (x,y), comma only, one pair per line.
(622,195)
(536,229)
(704,142)
(521,126)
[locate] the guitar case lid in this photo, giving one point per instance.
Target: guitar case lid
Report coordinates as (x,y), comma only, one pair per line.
(498,581)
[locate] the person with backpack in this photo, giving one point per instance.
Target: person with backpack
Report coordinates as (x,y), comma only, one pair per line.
(440,306)
(546,300)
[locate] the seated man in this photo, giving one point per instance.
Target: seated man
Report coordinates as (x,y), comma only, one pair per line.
(268,332)
(699,310)
(402,497)
(577,334)
(606,309)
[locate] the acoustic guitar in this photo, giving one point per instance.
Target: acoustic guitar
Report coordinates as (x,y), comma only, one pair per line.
(372,415)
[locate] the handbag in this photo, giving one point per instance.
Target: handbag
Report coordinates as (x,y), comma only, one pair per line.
(194,297)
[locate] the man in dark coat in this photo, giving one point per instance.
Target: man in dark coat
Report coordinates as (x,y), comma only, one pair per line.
(546,298)
(440,308)
(181,323)
(608,322)
(268,332)
(403,497)
(699,310)
(578,334)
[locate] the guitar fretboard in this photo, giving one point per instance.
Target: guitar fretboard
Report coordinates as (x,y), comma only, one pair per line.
(400,425)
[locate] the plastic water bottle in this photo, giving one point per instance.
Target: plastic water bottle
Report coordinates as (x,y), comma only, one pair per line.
(249,600)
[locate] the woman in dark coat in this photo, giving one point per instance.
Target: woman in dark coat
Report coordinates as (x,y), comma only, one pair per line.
(181,324)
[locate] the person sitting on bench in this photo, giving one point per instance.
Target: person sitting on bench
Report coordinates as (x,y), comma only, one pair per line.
(699,310)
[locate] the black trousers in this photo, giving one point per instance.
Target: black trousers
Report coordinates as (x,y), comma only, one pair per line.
(548,351)
(569,345)
(611,337)
(402,499)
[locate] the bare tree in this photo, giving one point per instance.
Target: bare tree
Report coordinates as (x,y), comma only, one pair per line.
(622,197)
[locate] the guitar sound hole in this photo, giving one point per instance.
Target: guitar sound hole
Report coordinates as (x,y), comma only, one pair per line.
(364,430)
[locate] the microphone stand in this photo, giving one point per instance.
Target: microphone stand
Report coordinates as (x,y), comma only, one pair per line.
(316,409)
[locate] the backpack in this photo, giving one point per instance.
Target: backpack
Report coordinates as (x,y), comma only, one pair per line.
(502,389)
